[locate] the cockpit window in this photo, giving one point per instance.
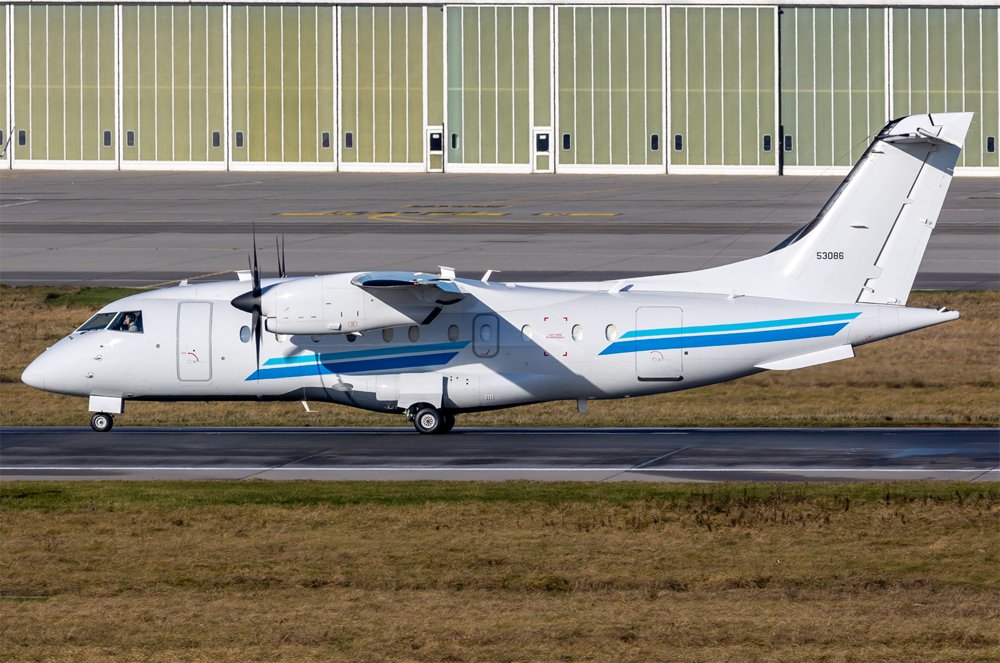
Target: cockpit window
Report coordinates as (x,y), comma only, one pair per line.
(99,321)
(128,321)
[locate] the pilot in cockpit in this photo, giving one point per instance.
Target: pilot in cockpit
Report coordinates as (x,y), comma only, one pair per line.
(131,322)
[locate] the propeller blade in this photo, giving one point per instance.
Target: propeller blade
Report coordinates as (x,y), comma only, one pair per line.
(284,264)
(255,269)
(279,249)
(257,335)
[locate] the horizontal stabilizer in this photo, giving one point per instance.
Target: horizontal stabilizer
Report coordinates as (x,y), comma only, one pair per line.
(809,359)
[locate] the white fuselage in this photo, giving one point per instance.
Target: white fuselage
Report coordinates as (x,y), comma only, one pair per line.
(502,345)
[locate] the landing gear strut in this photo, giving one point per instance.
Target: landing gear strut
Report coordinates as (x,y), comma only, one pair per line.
(102,422)
(428,420)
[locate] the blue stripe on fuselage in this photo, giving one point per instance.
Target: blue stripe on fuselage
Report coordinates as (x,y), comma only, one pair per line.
(355,366)
(717,340)
(736,326)
(359,354)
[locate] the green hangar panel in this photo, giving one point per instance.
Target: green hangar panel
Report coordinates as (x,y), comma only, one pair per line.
(609,98)
(946,60)
(723,105)
(489,87)
(382,88)
(282,69)
(173,86)
(63,84)
(524,86)
(833,75)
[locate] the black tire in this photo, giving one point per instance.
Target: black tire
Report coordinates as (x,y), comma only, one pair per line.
(448,423)
(428,420)
(102,422)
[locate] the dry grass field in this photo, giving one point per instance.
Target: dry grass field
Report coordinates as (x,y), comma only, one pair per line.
(943,376)
(302,571)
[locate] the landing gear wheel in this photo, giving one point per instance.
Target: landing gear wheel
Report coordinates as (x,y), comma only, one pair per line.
(102,422)
(428,420)
(448,423)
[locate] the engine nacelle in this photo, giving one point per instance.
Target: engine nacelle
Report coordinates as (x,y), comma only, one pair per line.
(331,304)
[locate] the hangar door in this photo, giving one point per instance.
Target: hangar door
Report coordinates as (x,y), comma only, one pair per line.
(723,104)
(658,345)
(610,89)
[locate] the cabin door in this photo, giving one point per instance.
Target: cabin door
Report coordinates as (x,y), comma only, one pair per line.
(659,351)
(194,341)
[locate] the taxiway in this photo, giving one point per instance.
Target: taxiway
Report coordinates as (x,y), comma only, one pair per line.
(882,454)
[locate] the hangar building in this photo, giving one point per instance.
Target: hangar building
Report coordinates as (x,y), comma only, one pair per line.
(677,87)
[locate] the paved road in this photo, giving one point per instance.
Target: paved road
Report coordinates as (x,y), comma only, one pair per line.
(142,229)
(498,454)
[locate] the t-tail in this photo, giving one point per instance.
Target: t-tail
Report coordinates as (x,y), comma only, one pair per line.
(867,242)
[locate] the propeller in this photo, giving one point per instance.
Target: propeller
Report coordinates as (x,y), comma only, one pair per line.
(250,301)
(282,271)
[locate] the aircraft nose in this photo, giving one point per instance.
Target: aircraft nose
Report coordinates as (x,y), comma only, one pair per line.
(33,375)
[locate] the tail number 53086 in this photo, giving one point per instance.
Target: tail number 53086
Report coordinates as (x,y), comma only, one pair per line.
(829,255)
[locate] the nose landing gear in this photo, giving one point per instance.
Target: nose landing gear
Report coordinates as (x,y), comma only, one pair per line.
(102,422)
(428,420)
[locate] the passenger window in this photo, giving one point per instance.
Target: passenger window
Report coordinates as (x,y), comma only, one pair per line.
(387,335)
(678,143)
(129,139)
(349,140)
(577,333)
(128,321)
(216,139)
(414,333)
(453,333)
(107,139)
(239,139)
(99,321)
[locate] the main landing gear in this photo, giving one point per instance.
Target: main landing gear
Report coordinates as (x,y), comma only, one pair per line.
(102,422)
(428,420)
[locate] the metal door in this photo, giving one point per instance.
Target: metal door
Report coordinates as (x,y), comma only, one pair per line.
(659,350)
(194,341)
(434,142)
(541,150)
(485,336)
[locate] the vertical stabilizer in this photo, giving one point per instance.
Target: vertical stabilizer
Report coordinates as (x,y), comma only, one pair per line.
(867,242)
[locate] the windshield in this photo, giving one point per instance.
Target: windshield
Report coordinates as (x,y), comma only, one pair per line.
(99,321)
(128,321)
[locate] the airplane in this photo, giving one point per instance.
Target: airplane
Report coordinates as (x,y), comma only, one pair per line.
(432,346)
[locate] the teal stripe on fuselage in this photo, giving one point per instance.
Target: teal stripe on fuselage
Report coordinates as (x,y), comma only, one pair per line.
(739,326)
(364,354)
(720,340)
